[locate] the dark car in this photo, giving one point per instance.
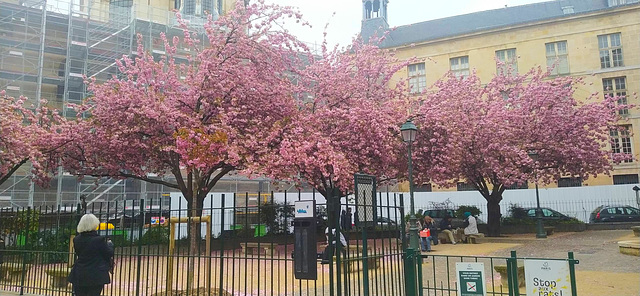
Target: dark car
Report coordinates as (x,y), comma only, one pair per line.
(438,214)
(615,214)
(548,214)
(386,222)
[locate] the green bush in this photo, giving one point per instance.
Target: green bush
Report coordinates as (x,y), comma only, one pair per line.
(53,243)
(120,239)
(475,211)
(276,216)
(517,212)
(155,236)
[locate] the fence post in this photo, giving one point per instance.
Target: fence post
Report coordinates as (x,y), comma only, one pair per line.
(419,267)
(139,268)
(572,274)
(220,291)
(410,272)
(26,250)
(513,281)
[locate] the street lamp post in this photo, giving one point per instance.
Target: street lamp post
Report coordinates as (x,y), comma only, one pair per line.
(540,232)
(408,131)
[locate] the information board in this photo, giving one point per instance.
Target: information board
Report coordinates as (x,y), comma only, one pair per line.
(470,279)
(305,209)
(547,277)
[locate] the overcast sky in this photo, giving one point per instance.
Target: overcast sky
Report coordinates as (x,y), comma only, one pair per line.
(345,24)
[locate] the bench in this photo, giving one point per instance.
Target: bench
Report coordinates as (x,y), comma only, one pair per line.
(58,276)
(12,272)
(443,238)
(477,238)
(257,248)
(504,278)
(354,263)
(549,230)
(636,230)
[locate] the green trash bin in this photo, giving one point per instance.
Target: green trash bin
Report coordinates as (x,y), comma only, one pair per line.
(261,230)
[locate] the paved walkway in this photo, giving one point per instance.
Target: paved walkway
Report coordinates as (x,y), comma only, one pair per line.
(602,269)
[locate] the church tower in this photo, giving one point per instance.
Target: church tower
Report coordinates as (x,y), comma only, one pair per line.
(374,18)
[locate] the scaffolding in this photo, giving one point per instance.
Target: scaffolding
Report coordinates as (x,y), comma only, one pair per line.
(48,47)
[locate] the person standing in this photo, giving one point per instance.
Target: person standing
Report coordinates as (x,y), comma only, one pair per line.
(447,228)
(349,219)
(94,255)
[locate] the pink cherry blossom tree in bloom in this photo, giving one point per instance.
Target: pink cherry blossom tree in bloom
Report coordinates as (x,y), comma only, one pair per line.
(222,110)
(28,135)
(348,121)
(482,134)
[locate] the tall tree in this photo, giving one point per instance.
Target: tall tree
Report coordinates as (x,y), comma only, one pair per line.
(482,134)
(348,120)
(27,135)
(221,110)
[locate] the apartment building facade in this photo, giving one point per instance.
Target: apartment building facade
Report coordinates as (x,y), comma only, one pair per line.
(598,40)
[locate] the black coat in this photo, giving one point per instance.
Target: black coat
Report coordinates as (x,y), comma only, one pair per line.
(93,255)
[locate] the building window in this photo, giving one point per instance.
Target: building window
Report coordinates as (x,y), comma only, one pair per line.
(417,78)
(520,185)
(464,186)
(509,62)
(567,10)
(557,54)
(617,87)
(625,179)
(621,141)
(426,187)
(621,2)
(570,182)
(460,66)
(610,50)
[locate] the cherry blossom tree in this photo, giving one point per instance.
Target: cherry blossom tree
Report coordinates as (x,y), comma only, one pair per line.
(482,134)
(348,120)
(221,110)
(27,135)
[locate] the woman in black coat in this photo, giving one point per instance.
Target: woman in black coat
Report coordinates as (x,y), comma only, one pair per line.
(90,272)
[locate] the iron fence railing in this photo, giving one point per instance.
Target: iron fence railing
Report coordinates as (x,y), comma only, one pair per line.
(248,251)
(503,275)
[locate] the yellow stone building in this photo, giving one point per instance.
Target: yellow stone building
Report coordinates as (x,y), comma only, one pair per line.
(598,40)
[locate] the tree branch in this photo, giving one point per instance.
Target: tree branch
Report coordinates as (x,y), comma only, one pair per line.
(13,169)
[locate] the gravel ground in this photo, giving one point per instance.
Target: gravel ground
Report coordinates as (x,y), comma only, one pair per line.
(597,250)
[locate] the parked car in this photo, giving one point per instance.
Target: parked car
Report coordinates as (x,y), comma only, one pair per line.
(615,214)
(386,222)
(547,214)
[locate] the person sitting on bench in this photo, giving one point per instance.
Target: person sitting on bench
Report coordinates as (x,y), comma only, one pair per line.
(470,225)
(447,228)
(328,251)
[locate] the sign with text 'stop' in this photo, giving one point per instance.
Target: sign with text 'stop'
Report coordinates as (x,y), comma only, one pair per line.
(470,279)
(305,209)
(365,191)
(547,277)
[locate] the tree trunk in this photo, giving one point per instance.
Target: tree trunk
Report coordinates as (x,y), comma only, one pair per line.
(193,210)
(493,209)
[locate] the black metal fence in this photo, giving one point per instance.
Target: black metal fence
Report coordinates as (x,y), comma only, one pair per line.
(503,275)
(249,251)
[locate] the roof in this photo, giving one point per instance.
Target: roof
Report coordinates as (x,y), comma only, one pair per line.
(490,19)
